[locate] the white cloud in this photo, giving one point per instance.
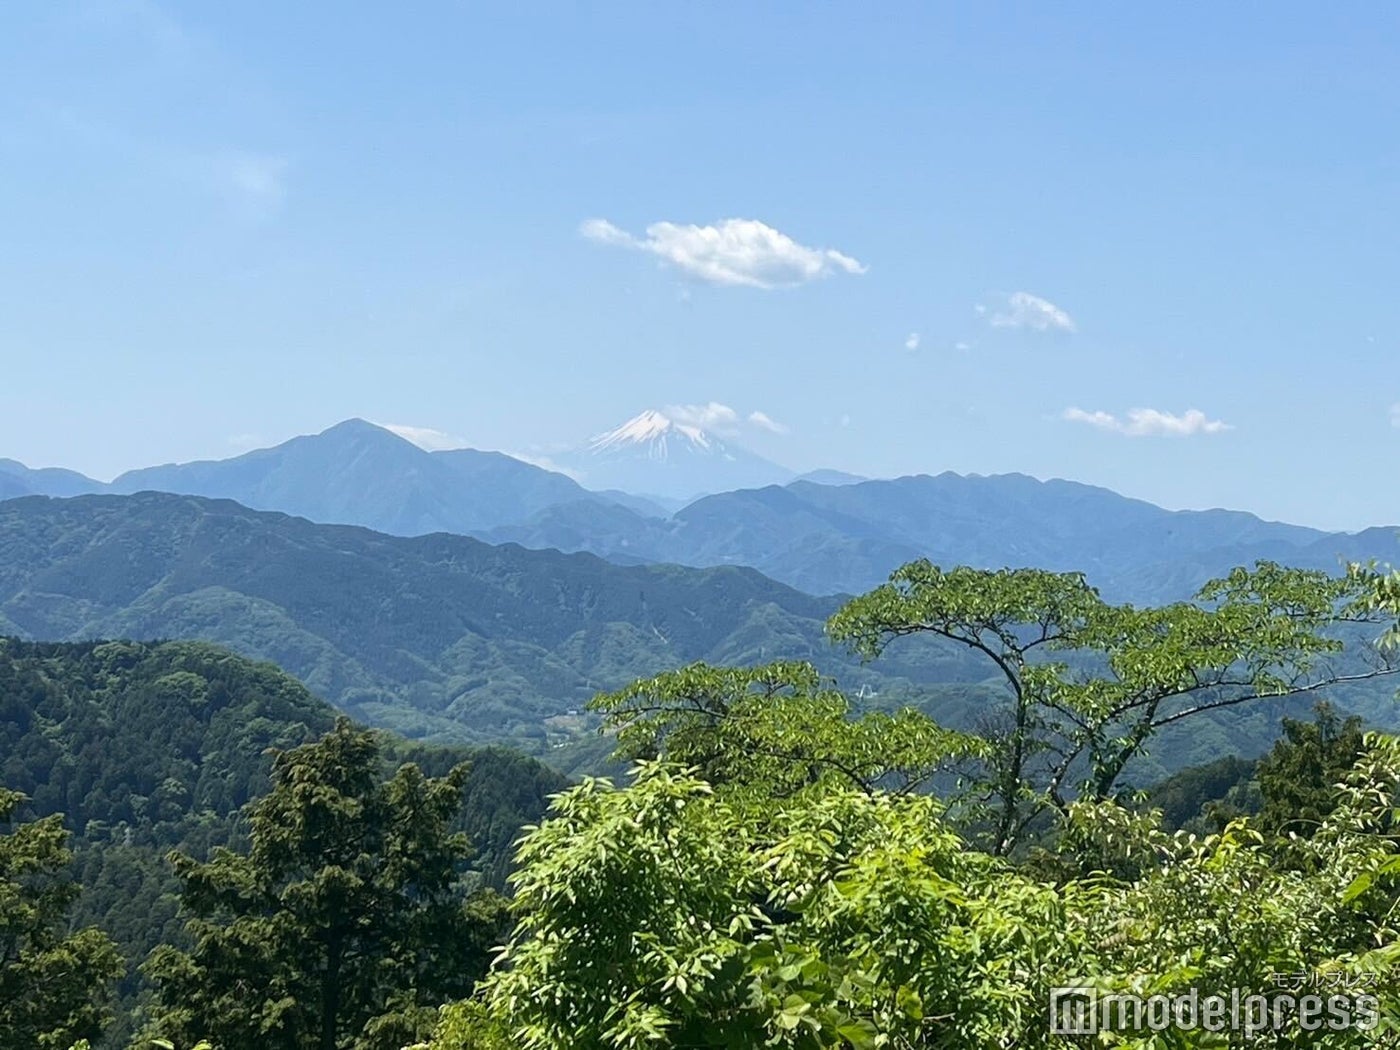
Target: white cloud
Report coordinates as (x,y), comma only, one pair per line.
(731,252)
(1023,310)
(764,421)
(961,346)
(911,341)
(711,416)
(721,419)
(1149,422)
(426,438)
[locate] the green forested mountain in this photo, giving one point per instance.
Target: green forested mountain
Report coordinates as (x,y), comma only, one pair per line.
(148,747)
(436,636)
(444,637)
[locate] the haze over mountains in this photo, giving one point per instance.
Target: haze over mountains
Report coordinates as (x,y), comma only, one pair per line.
(826,533)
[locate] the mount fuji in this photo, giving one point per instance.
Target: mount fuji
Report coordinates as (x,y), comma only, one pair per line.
(653,454)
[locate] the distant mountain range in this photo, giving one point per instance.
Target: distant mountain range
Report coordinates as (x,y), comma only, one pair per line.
(448,638)
(825,533)
(847,538)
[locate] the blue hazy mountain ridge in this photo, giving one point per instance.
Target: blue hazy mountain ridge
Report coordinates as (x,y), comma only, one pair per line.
(18,480)
(361,474)
(825,476)
(820,537)
(826,539)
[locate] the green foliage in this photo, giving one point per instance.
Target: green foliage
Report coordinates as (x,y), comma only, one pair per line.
(769,880)
(1299,778)
(55,985)
(776,729)
(1207,797)
(660,915)
(144,748)
(437,637)
(345,922)
(1088,683)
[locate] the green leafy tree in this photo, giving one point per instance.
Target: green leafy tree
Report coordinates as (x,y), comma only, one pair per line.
(775,880)
(344,924)
(661,915)
(54,985)
(776,730)
(1300,776)
(1088,683)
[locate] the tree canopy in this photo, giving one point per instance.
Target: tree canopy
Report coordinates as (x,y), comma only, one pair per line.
(776,873)
(343,925)
(55,985)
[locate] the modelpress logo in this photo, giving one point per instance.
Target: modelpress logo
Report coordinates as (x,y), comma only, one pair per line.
(1081,1008)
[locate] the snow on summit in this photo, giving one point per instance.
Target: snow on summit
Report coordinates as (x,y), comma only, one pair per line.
(654,454)
(652,430)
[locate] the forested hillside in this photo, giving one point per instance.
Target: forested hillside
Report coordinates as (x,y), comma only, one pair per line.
(444,637)
(144,748)
(436,636)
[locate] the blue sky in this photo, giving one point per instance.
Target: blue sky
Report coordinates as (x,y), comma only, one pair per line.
(1154,250)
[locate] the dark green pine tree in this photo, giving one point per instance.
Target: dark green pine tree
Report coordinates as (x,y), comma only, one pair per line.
(54,985)
(344,925)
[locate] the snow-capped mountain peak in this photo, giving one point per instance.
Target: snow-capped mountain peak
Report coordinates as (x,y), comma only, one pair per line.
(652,431)
(656,454)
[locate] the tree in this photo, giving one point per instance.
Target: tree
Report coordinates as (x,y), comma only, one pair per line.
(54,985)
(661,916)
(776,879)
(1299,777)
(343,925)
(776,730)
(1088,682)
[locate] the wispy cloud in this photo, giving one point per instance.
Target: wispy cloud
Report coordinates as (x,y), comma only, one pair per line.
(764,421)
(256,181)
(710,416)
(911,341)
(1149,422)
(722,419)
(1395,414)
(732,252)
(1024,310)
(426,438)
(251,183)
